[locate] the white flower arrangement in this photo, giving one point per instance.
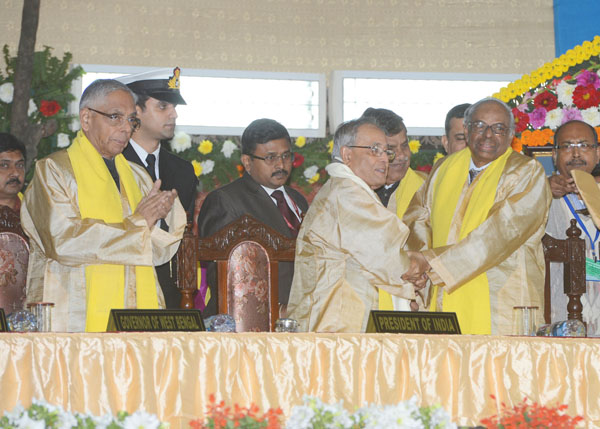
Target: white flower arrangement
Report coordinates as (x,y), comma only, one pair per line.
(310,172)
(228,148)
(44,415)
(6,92)
(407,414)
(207,166)
(591,116)
(63,140)
(32,107)
(181,141)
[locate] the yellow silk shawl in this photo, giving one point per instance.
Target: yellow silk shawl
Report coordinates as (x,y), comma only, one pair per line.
(407,188)
(99,198)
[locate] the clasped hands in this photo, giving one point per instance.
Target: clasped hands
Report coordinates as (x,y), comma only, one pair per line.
(417,271)
(157,204)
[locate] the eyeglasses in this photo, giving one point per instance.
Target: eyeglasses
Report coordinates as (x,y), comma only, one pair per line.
(582,145)
(481,127)
(117,119)
(377,151)
(272,159)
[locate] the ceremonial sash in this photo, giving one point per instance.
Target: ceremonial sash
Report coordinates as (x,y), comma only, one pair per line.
(409,185)
(99,198)
(471,301)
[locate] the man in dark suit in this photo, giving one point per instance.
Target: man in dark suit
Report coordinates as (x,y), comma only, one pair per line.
(267,158)
(157,97)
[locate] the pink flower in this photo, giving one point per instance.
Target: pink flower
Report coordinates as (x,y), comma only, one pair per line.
(570,114)
(523,107)
(587,77)
(538,117)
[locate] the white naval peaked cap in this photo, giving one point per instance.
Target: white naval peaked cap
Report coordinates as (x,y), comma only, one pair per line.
(162,84)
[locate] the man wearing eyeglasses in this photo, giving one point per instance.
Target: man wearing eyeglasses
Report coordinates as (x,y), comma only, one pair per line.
(261,192)
(92,217)
(350,246)
(478,221)
(157,96)
(575,148)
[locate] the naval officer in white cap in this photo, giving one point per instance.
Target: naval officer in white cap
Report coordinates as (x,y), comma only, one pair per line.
(157,98)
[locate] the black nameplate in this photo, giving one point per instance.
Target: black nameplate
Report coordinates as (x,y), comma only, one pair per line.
(154,320)
(412,322)
(3,324)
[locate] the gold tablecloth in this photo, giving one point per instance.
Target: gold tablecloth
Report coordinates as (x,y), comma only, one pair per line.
(173,374)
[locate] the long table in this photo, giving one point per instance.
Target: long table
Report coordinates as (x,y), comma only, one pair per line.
(173,374)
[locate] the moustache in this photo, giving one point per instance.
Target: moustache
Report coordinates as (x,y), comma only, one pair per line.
(576,163)
(400,161)
(280,173)
(13,180)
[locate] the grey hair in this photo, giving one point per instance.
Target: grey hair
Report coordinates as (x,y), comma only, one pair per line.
(345,135)
(99,89)
(471,110)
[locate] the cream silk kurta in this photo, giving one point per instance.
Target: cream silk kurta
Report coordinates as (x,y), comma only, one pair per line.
(349,245)
(507,246)
(62,244)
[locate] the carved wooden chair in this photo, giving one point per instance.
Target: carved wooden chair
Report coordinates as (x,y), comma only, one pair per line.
(247,254)
(14,258)
(570,252)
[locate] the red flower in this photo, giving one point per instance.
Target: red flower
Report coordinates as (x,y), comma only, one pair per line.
(586,96)
(521,120)
(298,160)
(546,100)
(49,108)
(425,168)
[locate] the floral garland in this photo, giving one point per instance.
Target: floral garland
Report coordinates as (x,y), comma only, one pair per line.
(564,89)
(313,413)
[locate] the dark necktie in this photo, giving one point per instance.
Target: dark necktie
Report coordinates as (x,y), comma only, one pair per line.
(151,168)
(112,168)
(286,212)
(473,174)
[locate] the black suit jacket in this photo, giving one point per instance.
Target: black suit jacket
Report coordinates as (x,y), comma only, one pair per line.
(230,202)
(175,173)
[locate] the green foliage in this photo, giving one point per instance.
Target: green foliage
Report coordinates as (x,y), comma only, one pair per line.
(51,81)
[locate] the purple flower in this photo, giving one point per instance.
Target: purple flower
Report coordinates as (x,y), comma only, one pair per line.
(587,77)
(538,117)
(570,114)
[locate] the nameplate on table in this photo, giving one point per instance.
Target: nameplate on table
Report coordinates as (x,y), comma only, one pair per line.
(3,324)
(412,322)
(130,320)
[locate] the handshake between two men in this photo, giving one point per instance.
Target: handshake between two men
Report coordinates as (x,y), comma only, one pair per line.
(417,271)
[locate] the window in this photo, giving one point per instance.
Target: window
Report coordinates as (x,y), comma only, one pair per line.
(225,102)
(422,99)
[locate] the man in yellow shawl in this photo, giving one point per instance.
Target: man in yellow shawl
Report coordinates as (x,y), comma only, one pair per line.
(350,246)
(402,181)
(92,220)
(479,220)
